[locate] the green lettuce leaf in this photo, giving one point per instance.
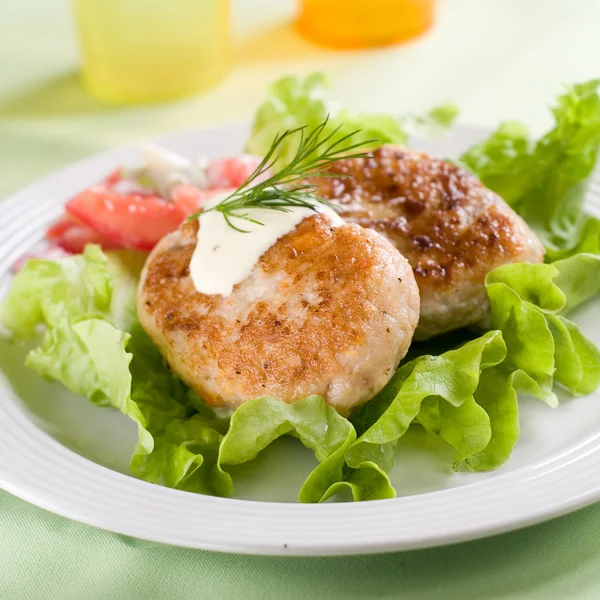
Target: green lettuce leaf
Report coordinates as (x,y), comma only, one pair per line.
(587,242)
(82,301)
(435,391)
(257,423)
(442,116)
(76,355)
(529,304)
(469,396)
(92,343)
(434,123)
(545,181)
(184,456)
(505,151)
(293,102)
(47,292)
(578,279)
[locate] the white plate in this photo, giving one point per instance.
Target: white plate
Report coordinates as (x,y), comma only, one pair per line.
(63,454)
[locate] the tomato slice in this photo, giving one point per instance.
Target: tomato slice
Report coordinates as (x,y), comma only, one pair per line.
(118,218)
(125,220)
(114,177)
(186,198)
(231,172)
(189,199)
(57,229)
(76,238)
(73,236)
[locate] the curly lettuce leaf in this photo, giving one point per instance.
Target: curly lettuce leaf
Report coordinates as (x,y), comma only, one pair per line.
(184,456)
(76,355)
(505,151)
(529,303)
(192,454)
(257,423)
(82,301)
(72,297)
(578,279)
(293,102)
(435,391)
(545,181)
(46,291)
(467,396)
(587,242)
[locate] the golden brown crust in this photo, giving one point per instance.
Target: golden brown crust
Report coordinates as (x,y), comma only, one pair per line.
(449,226)
(303,322)
(443,219)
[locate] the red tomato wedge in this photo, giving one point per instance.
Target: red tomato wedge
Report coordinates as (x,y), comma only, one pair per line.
(114,177)
(59,227)
(125,220)
(231,172)
(186,198)
(189,199)
(73,236)
(115,217)
(77,237)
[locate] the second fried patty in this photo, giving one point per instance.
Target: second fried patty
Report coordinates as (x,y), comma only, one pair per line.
(450,227)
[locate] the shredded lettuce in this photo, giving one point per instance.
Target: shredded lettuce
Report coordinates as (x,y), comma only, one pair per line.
(545,180)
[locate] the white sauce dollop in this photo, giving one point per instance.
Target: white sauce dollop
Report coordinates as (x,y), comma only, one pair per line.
(224,257)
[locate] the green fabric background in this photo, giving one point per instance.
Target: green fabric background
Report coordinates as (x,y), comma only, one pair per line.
(46,121)
(46,556)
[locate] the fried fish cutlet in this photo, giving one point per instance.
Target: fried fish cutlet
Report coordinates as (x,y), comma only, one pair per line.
(326,310)
(449,226)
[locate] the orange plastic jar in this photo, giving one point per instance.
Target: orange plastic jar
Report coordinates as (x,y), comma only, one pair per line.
(364,23)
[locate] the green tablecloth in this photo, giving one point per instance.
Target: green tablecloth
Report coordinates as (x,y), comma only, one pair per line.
(46,556)
(496,59)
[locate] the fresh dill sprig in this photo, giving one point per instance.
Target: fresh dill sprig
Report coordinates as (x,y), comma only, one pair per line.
(282,190)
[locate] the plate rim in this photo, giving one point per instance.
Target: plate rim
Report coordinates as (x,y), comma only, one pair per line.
(285,529)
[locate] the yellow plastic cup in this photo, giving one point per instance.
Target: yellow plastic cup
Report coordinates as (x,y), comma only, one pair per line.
(363,23)
(151,50)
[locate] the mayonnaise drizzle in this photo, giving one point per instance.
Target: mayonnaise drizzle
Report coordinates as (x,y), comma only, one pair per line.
(224,257)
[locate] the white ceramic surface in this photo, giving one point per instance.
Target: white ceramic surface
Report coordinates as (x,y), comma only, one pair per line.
(61,453)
